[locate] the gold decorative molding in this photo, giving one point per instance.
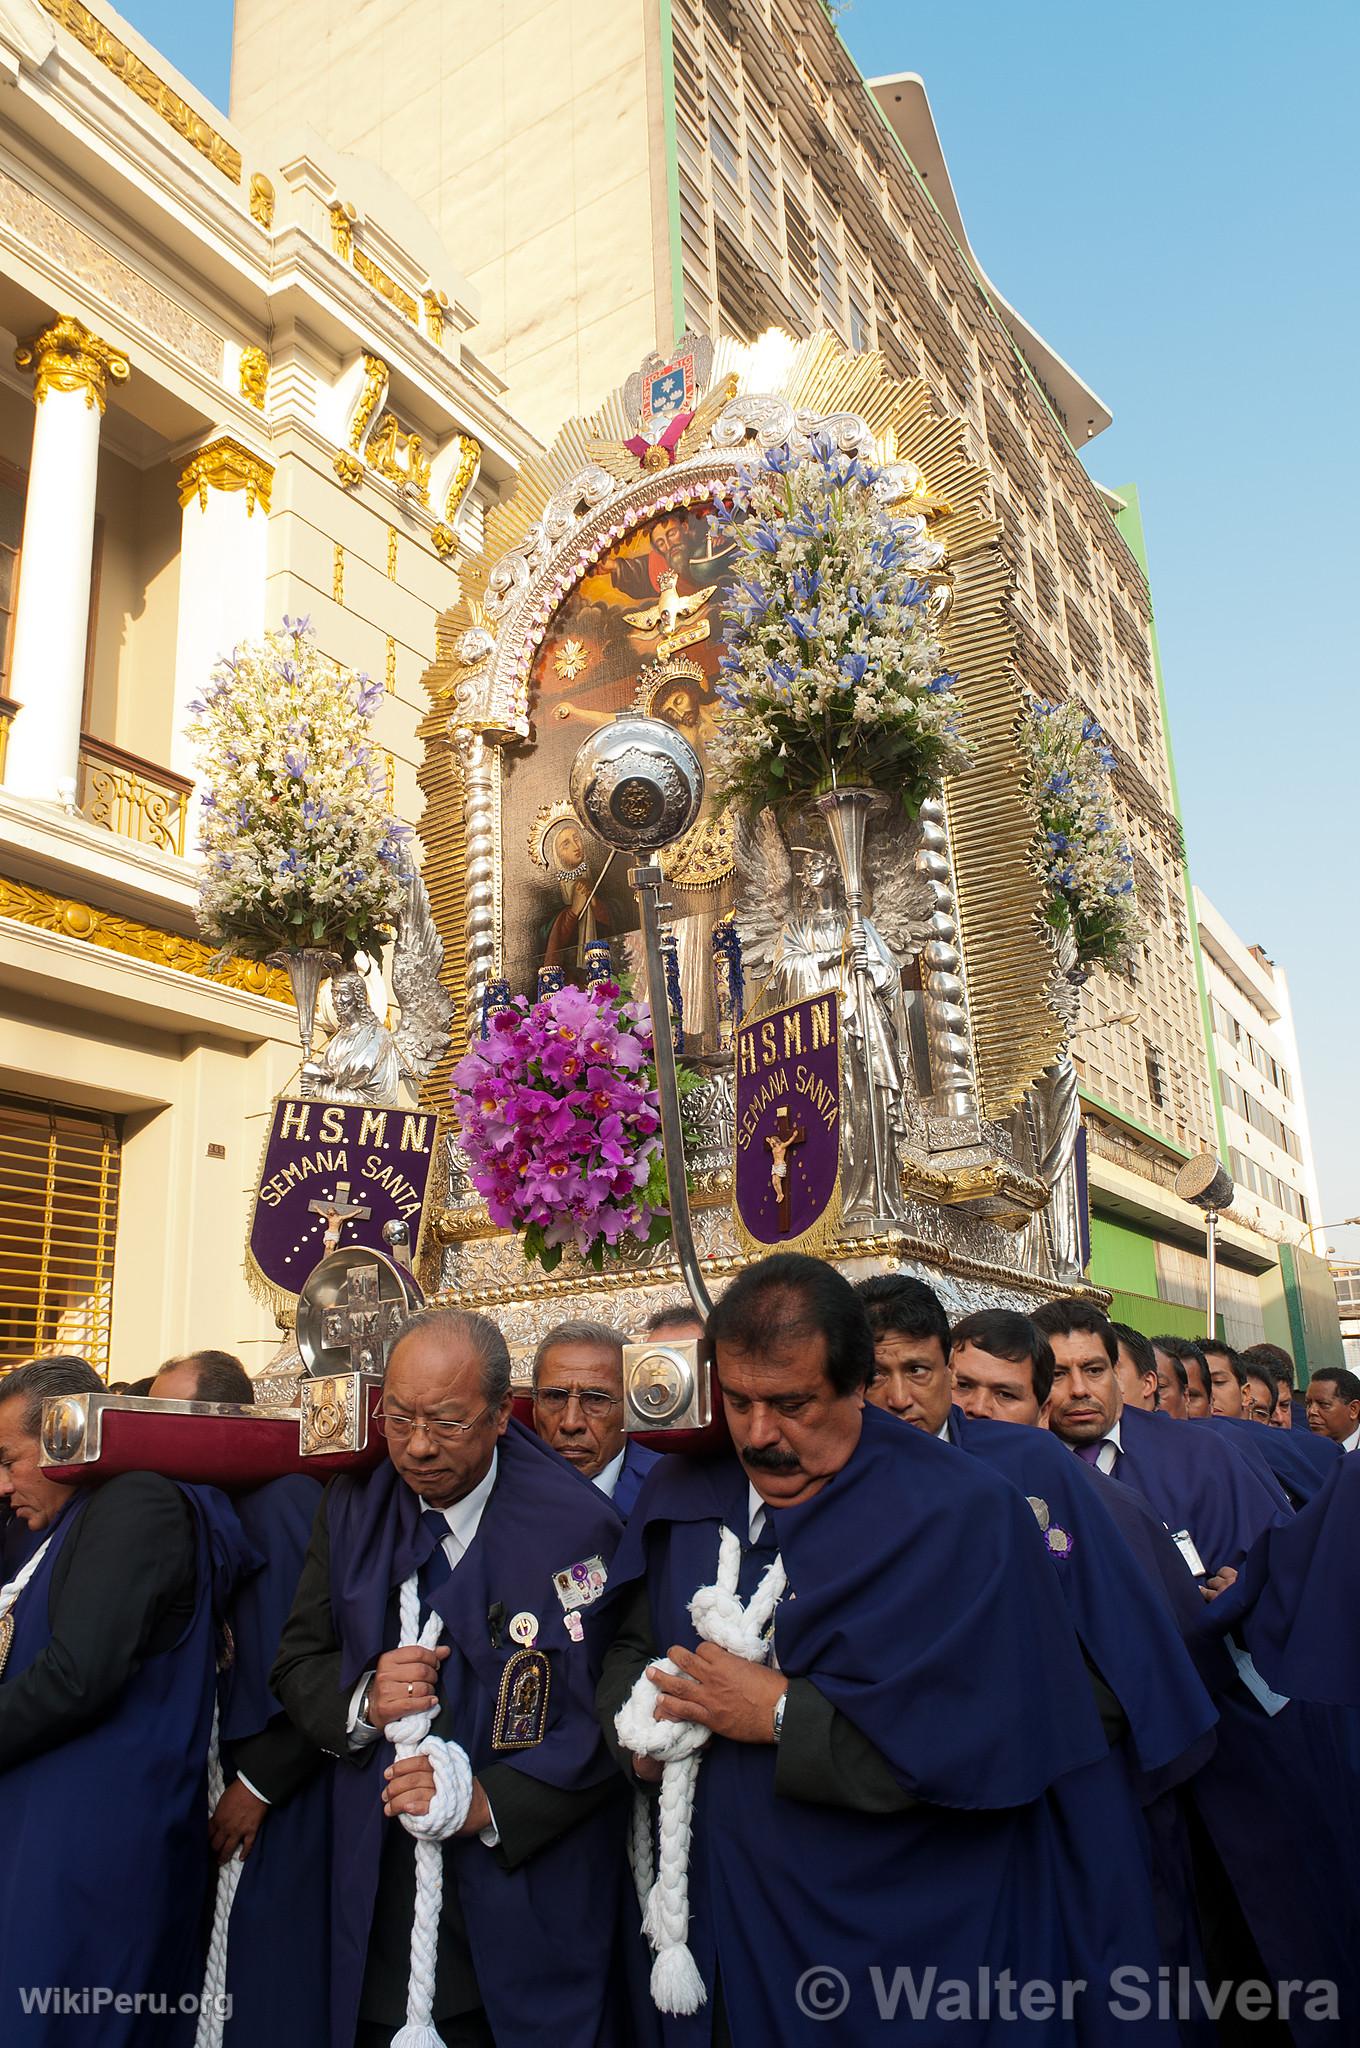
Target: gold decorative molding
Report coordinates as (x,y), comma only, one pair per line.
(445,541)
(69,918)
(436,312)
(390,673)
(342,230)
(343,218)
(347,465)
(338,574)
(224,465)
(65,356)
(88,29)
(254,376)
(391,554)
(387,287)
(400,457)
(261,200)
(464,476)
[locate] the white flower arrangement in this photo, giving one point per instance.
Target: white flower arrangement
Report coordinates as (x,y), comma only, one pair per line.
(833,671)
(299,848)
(1088,870)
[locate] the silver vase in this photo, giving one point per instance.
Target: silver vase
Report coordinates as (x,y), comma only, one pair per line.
(876,1202)
(307,967)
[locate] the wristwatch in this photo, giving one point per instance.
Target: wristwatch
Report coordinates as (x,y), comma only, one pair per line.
(779,1707)
(363,1705)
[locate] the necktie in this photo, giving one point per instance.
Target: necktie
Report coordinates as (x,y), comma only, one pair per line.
(435,1567)
(1090,1453)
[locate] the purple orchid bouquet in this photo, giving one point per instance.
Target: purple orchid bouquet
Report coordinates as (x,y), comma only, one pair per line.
(561,1126)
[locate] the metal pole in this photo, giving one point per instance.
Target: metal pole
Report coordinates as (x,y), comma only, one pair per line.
(646,883)
(1211,1255)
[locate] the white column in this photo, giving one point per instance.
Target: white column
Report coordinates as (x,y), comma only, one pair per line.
(224,490)
(70,369)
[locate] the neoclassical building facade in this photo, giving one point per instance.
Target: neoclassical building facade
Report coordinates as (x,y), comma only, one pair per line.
(231,388)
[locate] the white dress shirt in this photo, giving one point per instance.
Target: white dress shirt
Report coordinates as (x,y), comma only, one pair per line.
(1110,1450)
(1349,1443)
(464,1520)
(755,1514)
(608,1477)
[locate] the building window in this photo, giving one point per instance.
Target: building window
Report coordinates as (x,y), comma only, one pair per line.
(1156,1075)
(59,1170)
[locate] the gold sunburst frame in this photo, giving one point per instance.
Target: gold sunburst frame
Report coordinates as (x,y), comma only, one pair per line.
(580,498)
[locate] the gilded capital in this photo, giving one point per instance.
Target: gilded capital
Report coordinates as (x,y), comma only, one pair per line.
(225,465)
(65,356)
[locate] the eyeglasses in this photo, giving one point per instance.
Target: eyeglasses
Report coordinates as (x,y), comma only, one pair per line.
(594,1401)
(442,1428)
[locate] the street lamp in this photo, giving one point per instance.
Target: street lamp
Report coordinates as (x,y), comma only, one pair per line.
(1344,1224)
(1205,1181)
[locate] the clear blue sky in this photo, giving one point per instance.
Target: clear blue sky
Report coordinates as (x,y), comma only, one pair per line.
(1168,193)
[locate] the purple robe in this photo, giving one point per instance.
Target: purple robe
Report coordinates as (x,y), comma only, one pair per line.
(922,1607)
(542,1940)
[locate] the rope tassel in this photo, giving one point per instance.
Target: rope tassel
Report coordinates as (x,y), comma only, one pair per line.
(663,1883)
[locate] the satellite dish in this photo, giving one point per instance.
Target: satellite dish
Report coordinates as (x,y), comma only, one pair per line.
(1206,1182)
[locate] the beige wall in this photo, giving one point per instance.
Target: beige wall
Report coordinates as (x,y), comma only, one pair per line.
(185,1066)
(526,132)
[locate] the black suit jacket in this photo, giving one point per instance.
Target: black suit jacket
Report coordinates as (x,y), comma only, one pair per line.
(122,1590)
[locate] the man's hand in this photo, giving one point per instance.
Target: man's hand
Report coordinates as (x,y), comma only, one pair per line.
(236,1821)
(723,1692)
(403,1683)
(1220,1582)
(649,1769)
(408,1787)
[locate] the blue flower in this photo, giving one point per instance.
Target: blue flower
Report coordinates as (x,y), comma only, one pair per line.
(295,763)
(868,607)
(854,667)
(764,539)
(313,813)
(1090,731)
(730,698)
(939,684)
(754,603)
(914,593)
(805,583)
(1059,842)
(1059,783)
(806,625)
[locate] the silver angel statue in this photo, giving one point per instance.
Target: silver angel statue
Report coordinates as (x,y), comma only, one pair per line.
(364,1061)
(792,919)
(1045,1128)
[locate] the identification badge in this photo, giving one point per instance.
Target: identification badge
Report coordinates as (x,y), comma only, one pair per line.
(522,1703)
(580,1583)
(1185,1543)
(524,1629)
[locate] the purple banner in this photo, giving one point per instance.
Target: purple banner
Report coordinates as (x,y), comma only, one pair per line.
(342,1168)
(788,1121)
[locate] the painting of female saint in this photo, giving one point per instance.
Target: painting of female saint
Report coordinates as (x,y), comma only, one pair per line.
(641,631)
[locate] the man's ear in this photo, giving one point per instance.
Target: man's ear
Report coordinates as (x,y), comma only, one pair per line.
(1043,1415)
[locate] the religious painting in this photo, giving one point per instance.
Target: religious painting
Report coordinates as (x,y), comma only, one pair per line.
(641,631)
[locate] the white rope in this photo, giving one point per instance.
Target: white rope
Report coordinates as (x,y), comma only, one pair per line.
(663,1887)
(212,2004)
(448,1810)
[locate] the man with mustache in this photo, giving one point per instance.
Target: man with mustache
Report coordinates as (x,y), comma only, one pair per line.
(868,1629)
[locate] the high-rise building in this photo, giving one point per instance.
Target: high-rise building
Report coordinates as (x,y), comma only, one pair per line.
(615,171)
(1270,1153)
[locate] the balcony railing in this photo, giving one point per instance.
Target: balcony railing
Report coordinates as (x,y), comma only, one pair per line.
(133,798)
